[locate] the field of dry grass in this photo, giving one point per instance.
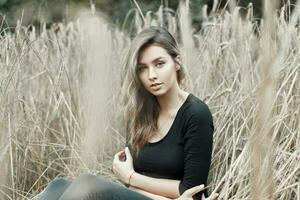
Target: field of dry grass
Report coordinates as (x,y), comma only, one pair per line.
(59,100)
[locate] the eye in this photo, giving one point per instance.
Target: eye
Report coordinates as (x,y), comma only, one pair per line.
(160,64)
(141,68)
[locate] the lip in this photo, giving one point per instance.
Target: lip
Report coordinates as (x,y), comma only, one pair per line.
(156,87)
(155,84)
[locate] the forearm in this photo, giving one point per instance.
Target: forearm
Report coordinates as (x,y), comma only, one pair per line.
(162,187)
(148,194)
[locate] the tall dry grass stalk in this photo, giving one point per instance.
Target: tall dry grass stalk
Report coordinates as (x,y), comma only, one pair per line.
(261,141)
(59,104)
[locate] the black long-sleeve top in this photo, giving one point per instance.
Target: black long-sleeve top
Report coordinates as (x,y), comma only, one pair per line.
(185,152)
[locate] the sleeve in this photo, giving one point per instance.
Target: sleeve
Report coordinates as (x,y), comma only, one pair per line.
(198,141)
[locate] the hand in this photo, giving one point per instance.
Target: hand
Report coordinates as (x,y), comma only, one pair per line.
(123,165)
(211,197)
(188,194)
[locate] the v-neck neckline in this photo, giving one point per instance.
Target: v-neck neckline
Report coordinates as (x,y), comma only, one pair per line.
(176,116)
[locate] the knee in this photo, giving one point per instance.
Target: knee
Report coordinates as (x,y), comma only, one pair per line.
(89,178)
(59,182)
(86,176)
(93,183)
(86,185)
(54,189)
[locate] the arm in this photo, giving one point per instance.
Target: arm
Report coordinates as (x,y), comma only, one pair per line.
(198,140)
(188,194)
(148,194)
(157,186)
(161,188)
(198,137)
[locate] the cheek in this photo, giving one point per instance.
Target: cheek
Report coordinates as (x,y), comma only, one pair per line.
(142,78)
(169,73)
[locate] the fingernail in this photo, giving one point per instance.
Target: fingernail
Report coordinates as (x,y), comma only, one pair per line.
(217,194)
(202,185)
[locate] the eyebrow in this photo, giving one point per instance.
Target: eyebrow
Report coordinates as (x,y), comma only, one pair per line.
(156,59)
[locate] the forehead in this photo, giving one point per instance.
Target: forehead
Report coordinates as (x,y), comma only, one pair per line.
(151,53)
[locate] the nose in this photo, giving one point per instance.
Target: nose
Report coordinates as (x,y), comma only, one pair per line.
(152,74)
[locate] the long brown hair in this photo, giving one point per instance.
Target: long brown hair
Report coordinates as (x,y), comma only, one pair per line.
(141,108)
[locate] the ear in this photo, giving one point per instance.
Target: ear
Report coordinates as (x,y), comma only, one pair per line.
(178,60)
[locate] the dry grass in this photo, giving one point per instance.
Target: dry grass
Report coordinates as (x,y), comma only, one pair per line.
(58,100)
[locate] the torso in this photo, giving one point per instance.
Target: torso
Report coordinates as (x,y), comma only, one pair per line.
(163,157)
(165,122)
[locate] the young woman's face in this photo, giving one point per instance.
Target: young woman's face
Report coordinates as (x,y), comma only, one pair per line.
(157,70)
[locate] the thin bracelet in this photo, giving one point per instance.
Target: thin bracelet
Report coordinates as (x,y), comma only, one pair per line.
(130,177)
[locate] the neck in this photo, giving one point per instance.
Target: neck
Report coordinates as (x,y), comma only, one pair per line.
(171,100)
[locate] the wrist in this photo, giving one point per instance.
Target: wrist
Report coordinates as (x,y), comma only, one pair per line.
(130,178)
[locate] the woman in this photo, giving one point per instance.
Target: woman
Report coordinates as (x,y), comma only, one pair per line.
(169,132)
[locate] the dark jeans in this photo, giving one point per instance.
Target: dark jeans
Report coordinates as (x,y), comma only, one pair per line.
(88,187)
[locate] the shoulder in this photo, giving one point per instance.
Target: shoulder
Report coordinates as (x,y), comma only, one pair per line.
(197,109)
(197,116)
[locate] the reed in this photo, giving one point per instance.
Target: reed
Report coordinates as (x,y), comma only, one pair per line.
(59,92)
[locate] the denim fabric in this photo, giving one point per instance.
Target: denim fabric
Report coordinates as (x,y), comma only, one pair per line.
(88,187)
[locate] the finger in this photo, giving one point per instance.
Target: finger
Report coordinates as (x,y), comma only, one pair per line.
(120,152)
(128,154)
(202,197)
(195,189)
(213,196)
(127,151)
(122,155)
(117,154)
(116,160)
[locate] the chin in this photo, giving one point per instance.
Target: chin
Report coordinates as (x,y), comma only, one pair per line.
(157,93)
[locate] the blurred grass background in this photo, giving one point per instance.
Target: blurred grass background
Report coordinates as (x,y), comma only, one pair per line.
(60,77)
(49,11)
